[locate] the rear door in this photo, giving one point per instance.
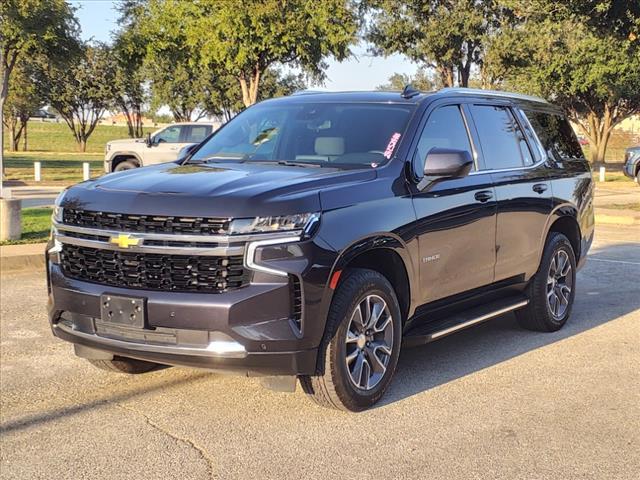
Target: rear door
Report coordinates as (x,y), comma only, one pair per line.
(522,185)
(456,219)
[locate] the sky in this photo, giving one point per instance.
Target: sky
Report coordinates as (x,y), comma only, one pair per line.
(363,72)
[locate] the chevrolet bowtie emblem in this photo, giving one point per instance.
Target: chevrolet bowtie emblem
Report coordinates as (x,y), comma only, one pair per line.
(124,241)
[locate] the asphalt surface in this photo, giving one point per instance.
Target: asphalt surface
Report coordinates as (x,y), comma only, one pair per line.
(493,401)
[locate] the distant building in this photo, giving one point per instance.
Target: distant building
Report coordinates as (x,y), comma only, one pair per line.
(121,119)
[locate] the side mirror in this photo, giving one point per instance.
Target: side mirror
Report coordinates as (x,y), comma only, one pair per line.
(186,151)
(445,163)
(148,140)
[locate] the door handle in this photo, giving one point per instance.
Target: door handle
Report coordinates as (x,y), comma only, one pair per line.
(484,195)
(539,188)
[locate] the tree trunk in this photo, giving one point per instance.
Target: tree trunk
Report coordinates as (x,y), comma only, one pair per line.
(24,142)
(598,129)
(446,75)
(13,142)
(82,144)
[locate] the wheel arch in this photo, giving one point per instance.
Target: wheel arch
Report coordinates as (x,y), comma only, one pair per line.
(124,156)
(386,255)
(565,220)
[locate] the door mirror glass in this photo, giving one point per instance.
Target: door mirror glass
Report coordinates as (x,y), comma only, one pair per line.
(148,140)
(445,163)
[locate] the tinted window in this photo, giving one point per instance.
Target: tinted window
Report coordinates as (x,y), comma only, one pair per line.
(332,134)
(556,135)
(503,143)
(198,133)
(169,135)
(444,129)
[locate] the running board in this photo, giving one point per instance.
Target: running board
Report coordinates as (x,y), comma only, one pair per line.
(429,332)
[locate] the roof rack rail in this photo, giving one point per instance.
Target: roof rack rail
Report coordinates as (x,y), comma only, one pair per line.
(409,91)
(492,93)
(306,92)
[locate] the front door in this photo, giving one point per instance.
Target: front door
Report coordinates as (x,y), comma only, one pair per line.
(456,219)
(165,145)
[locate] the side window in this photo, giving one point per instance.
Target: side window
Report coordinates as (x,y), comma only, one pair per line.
(556,135)
(197,133)
(503,143)
(169,135)
(445,128)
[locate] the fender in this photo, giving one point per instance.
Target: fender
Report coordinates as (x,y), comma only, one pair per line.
(560,211)
(376,241)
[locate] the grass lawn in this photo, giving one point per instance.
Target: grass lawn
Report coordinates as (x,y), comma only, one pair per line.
(36,223)
(57,137)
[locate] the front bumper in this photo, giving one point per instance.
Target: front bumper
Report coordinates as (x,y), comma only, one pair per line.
(253,323)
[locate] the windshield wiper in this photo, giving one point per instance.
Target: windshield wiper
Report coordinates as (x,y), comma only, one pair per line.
(222,158)
(300,164)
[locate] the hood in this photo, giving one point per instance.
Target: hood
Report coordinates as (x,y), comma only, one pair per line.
(126,141)
(215,190)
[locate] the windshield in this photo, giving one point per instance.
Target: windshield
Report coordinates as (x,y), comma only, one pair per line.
(321,134)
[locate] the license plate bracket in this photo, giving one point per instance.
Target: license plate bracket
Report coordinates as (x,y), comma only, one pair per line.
(125,311)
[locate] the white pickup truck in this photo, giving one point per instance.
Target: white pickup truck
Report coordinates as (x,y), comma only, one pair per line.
(160,146)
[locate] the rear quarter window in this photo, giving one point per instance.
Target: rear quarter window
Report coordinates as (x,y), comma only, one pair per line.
(556,135)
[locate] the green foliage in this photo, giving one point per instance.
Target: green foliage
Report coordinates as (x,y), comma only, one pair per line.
(584,56)
(78,91)
(36,224)
(243,39)
(129,78)
(447,35)
(23,101)
(422,81)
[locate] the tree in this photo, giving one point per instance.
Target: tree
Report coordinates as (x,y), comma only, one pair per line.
(446,35)
(81,91)
(422,80)
(584,56)
(244,39)
(29,26)
(130,76)
(23,101)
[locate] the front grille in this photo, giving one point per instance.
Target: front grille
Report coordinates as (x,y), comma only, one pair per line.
(124,222)
(175,273)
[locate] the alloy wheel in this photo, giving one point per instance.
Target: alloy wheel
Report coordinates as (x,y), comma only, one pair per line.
(369,342)
(559,284)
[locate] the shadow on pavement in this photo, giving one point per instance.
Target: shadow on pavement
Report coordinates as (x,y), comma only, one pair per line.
(51,416)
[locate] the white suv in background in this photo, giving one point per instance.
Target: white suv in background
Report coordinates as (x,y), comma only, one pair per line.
(160,146)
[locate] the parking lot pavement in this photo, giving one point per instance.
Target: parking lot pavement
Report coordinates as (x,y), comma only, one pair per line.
(491,402)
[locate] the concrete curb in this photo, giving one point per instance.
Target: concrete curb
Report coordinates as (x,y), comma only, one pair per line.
(616,219)
(22,257)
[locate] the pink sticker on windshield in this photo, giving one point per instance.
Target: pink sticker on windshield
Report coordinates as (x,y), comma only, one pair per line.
(392,145)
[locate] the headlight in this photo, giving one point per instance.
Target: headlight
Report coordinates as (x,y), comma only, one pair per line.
(284,223)
(57,209)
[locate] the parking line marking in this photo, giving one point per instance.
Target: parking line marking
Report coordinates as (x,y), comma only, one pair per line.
(612,261)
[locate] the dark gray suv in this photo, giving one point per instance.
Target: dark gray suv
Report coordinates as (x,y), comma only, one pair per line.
(314,235)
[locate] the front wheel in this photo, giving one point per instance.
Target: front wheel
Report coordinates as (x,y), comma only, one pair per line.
(553,288)
(362,344)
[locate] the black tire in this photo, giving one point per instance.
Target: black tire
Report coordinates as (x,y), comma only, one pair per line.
(538,315)
(126,165)
(335,387)
(130,366)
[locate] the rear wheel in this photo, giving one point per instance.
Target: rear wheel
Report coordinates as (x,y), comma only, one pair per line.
(124,365)
(126,165)
(362,344)
(552,290)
